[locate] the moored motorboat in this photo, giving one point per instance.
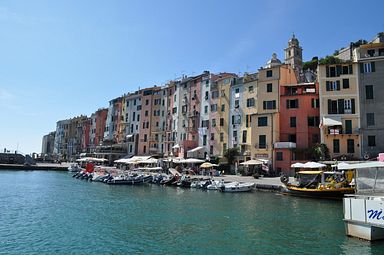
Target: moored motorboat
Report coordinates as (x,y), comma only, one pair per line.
(236,186)
(74,167)
(320,184)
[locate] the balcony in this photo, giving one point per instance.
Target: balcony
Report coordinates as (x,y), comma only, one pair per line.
(284,145)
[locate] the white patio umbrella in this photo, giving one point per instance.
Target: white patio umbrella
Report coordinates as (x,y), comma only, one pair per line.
(297,165)
(192,161)
(313,165)
(251,162)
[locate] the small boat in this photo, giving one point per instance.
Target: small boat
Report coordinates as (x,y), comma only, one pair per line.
(74,167)
(236,187)
(320,184)
(130,180)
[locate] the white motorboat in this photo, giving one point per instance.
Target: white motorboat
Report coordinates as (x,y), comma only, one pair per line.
(236,187)
(74,167)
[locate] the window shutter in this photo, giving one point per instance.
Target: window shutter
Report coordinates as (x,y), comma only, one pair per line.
(373,66)
(353,105)
(287,103)
(327,85)
(361,68)
(274,104)
(264,105)
(327,71)
(350,69)
(340,106)
(337,85)
(329,106)
(338,70)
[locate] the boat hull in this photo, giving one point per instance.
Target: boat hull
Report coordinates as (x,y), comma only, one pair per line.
(336,193)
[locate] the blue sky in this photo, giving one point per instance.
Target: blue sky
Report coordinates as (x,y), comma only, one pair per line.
(60,59)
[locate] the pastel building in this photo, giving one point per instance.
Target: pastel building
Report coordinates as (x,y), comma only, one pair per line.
(248,108)
(236,101)
(131,117)
(265,123)
(205,122)
(339,109)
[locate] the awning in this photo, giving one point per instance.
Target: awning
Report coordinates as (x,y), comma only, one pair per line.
(195,149)
(176,146)
(334,121)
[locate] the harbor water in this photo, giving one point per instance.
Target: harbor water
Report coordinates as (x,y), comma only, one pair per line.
(47,212)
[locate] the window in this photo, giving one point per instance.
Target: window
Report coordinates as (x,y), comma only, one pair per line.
(370,119)
(250,89)
(206,109)
(279,155)
(221,122)
(237,90)
(315,103)
(174,110)
(224,147)
(147,102)
(341,106)
(336,146)
(212,136)
(350,146)
(347,106)
(211,149)
(213,122)
(269,73)
(236,119)
(144,149)
(246,120)
(292,138)
(138,117)
(371,53)
(214,108)
(267,105)
(345,83)
(250,102)
(292,103)
(269,87)
(332,85)
(205,123)
(313,121)
(244,139)
(262,142)
(223,93)
(134,102)
(292,121)
(367,67)
(262,121)
(215,94)
(348,126)
(236,103)
(223,108)
(133,116)
(371,140)
(206,95)
(234,135)
(369,92)
(221,137)
(145,137)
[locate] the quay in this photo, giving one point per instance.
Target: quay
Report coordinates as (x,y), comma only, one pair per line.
(38,166)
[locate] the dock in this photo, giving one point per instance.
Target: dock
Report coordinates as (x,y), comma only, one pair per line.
(38,166)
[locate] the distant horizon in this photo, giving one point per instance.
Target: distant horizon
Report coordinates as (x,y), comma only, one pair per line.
(64,59)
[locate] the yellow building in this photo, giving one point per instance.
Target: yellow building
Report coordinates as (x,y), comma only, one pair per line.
(249,108)
(339,109)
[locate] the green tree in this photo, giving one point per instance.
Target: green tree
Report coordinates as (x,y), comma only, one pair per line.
(231,154)
(320,152)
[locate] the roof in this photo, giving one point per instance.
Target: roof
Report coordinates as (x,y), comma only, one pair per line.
(371,164)
(310,172)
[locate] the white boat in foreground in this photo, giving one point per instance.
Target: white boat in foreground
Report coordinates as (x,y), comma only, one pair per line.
(74,167)
(236,187)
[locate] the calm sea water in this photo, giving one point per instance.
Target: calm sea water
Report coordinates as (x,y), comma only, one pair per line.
(52,213)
